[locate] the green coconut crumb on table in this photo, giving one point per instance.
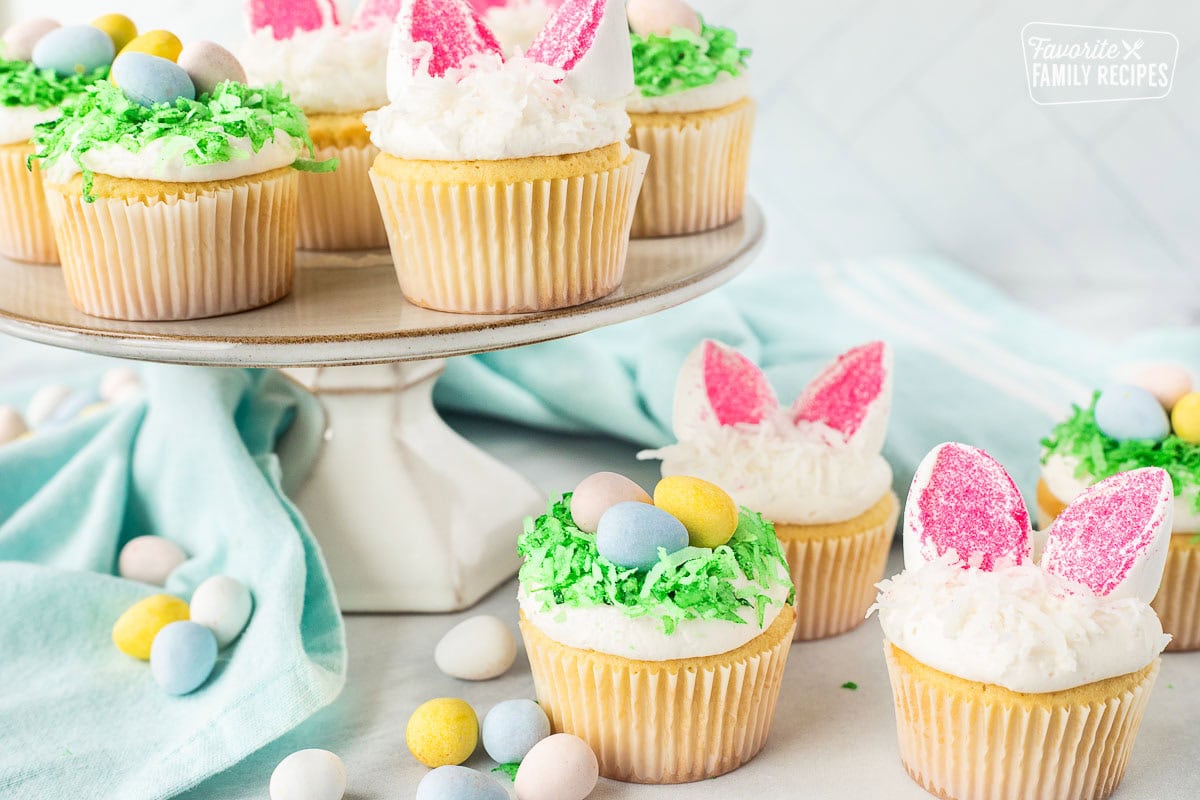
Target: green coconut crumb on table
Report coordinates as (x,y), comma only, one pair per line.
(24,85)
(851,685)
(563,568)
(683,60)
(508,769)
(1101,457)
(103,115)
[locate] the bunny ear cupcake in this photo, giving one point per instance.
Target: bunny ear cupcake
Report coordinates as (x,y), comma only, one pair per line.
(1012,678)
(813,469)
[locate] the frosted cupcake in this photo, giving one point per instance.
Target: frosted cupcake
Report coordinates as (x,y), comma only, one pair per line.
(516,23)
(814,469)
(1124,428)
(335,73)
(693,114)
(657,630)
(1014,679)
(507,185)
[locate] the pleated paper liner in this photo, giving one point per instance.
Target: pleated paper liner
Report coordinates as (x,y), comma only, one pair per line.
(158,251)
(835,568)
(698,168)
(663,721)
(338,210)
(963,740)
(26,233)
(499,246)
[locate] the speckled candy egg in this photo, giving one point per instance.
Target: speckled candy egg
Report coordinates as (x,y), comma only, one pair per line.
(163,44)
(12,425)
(1167,382)
(1185,418)
(182,657)
(119,384)
(629,535)
(459,783)
(208,64)
(512,728)
(1125,412)
(661,17)
(309,775)
(118,27)
(18,41)
(134,631)
(442,732)
(149,80)
(476,649)
(73,48)
(44,403)
(149,559)
(559,767)
(705,509)
(222,604)
(597,493)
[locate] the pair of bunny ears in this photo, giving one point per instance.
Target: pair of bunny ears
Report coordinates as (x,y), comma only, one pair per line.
(1112,539)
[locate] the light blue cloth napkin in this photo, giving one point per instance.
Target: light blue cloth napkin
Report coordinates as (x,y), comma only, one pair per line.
(194,461)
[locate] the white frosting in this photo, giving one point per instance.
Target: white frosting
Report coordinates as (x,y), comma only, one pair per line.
(1017,627)
(16,122)
(331,70)
(725,91)
(518,23)
(605,72)
(1059,474)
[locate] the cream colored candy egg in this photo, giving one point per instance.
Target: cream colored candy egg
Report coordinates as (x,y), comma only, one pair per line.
(118,384)
(223,605)
(12,426)
(661,17)
(599,492)
(44,403)
(134,631)
(559,767)
(476,649)
(1167,382)
(705,509)
(309,775)
(18,41)
(208,65)
(149,559)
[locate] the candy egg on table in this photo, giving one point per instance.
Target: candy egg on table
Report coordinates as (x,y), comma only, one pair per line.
(630,534)
(1185,418)
(476,649)
(18,40)
(149,80)
(222,604)
(309,775)
(118,27)
(149,559)
(661,17)
(208,64)
(72,407)
(599,492)
(12,425)
(182,657)
(705,509)
(163,44)
(459,783)
(559,767)
(119,383)
(512,728)
(134,631)
(44,403)
(442,732)
(73,48)
(1167,382)
(1124,412)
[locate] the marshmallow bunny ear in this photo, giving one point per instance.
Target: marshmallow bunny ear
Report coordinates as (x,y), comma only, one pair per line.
(450,27)
(719,386)
(963,502)
(286,17)
(853,396)
(1114,537)
(589,40)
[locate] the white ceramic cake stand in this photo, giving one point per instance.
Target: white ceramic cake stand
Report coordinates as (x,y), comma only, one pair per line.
(410,516)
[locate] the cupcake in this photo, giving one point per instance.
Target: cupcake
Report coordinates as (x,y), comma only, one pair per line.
(516,23)
(657,629)
(506,185)
(1123,428)
(693,114)
(41,65)
(814,469)
(1014,679)
(335,73)
(168,205)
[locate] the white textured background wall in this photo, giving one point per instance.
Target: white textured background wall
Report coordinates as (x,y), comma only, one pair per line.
(897,127)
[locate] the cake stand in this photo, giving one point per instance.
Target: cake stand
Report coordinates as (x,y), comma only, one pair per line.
(410,516)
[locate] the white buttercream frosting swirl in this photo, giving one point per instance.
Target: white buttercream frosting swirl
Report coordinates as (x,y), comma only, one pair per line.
(725,91)
(1061,474)
(17,122)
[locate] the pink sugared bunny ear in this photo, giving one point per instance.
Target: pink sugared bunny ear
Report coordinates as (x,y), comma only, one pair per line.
(853,396)
(963,502)
(286,17)
(450,27)
(1114,537)
(569,34)
(375,14)
(718,386)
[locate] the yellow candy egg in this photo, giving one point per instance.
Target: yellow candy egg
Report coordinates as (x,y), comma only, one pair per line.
(119,28)
(705,509)
(135,630)
(163,44)
(1185,418)
(442,732)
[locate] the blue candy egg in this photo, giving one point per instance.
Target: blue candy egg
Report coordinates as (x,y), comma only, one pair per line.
(73,48)
(182,657)
(1126,412)
(512,728)
(148,79)
(459,783)
(630,533)
(71,408)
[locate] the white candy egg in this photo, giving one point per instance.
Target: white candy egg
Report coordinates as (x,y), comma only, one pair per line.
(1167,382)
(119,383)
(309,775)
(476,649)
(149,559)
(559,767)
(223,605)
(12,426)
(661,17)
(18,41)
(44,403)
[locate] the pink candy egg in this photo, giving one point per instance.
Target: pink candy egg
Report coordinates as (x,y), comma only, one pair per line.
(149,559)
(1167,382)
(20,38)
(208,64)
(661,17)
(597,493)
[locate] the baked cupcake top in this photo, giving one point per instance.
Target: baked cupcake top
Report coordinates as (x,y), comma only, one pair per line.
(1125,427)
(681,63)
(683,575)
(454,97)
(816,462)
(972,602)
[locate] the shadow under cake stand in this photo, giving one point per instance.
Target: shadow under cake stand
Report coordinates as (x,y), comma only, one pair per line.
(410,516)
